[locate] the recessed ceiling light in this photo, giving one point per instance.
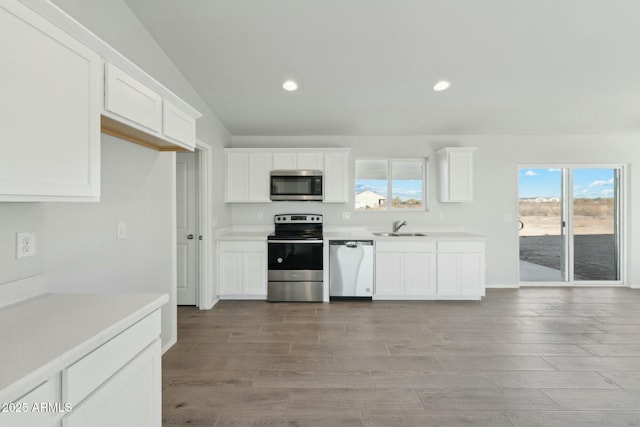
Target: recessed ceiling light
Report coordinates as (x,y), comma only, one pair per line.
(290,86)
(441,85)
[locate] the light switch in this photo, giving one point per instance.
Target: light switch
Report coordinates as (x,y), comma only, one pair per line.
(121,232)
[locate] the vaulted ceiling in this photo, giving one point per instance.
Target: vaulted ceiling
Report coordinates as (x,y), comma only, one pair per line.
(367,67)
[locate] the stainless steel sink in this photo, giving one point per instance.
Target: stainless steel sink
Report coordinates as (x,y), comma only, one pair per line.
(400,234)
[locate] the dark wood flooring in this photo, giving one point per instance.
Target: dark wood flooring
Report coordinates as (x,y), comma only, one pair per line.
(520,358)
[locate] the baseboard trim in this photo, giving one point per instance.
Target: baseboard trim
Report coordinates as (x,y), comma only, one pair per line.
(502,286)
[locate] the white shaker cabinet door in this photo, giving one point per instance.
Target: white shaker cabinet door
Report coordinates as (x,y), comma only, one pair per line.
(129,99)
(336,177)
(178,125)
(236,177)
(49,111)
(311,161)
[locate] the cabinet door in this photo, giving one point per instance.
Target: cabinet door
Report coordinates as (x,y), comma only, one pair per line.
(254,273)
(230,273)
(311,161)
(237,177)
(419,274)
(336,178)
(389,274)
(285,161)
(50,107)
(448,274)
(259,180)
(131,398)
(460,176)
(129,99)
(472,274)
(178,125)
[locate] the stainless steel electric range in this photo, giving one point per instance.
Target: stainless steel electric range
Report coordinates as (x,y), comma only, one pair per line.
(295,259)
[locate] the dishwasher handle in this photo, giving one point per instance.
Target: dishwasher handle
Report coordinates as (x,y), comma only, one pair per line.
(351,243)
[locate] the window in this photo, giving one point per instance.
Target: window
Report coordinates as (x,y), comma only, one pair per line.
(394,184)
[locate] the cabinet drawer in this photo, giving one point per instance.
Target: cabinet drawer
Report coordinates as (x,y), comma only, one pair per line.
(404,247)
(242,246)
(84,376)
(460,246)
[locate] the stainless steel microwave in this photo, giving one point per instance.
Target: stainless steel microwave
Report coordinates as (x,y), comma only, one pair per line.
(296,185)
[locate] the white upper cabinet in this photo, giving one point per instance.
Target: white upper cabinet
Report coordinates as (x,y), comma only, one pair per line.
(178,125)
(247,176)
(336,177)
(49,111)
(135,112)
(247,171)
(455,172)
(298,160)
(131,101)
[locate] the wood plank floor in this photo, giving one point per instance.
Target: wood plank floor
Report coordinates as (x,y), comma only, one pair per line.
(520,358)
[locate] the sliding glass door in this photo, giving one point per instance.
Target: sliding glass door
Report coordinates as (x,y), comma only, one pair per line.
(569,224)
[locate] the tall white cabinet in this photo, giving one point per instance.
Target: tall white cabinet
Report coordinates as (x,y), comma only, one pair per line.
(49,111)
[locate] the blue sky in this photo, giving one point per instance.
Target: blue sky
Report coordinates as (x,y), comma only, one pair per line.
(587,183)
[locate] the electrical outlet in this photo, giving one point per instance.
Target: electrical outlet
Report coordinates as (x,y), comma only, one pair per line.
(346,215)
(121,230)
(25,244)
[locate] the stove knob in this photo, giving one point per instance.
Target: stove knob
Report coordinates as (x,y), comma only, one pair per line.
(279,260)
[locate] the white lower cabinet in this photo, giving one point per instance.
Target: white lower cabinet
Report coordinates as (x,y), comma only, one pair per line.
(405,270)
(461,269)
(116,384)
(429,270)
(131,397)
(242,269)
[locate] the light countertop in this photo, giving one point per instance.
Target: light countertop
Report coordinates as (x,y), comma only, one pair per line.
(42,335)
(357,233)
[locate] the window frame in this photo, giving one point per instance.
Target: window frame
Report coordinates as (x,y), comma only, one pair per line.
(390,160)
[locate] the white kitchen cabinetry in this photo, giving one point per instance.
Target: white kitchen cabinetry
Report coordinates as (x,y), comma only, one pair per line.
(50,111)
(455,172)
(242,267)
(336,177)
(120,382)
(21,414)
(298,160)
(135,112)
(247,172)
(247,176)
(461,269)
(405,270)
(132,397)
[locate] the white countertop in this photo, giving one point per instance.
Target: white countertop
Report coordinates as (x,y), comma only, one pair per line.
(42,335)
(358,233)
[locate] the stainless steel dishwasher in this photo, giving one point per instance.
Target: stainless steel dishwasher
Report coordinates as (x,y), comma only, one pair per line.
(350,269)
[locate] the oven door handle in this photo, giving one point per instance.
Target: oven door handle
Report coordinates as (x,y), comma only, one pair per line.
(294,241)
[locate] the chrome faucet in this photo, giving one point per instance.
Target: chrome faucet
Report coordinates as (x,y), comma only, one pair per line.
(397,225)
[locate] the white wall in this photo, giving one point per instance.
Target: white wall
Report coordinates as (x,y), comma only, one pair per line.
(496,191)
(77,246)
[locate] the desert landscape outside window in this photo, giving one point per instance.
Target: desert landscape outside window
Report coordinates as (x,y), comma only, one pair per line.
(570,223)
(394,184)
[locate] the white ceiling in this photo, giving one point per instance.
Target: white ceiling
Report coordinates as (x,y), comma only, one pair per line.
(367,67)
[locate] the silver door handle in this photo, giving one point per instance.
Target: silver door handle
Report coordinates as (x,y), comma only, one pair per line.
(190,236)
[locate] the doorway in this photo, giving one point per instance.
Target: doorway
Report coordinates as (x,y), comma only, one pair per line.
(570,224)
(187,227)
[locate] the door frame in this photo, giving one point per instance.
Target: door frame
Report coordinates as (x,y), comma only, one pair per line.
(205,295)
(568,207)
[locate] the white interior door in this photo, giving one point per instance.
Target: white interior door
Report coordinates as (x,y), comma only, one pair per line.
(187,223)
